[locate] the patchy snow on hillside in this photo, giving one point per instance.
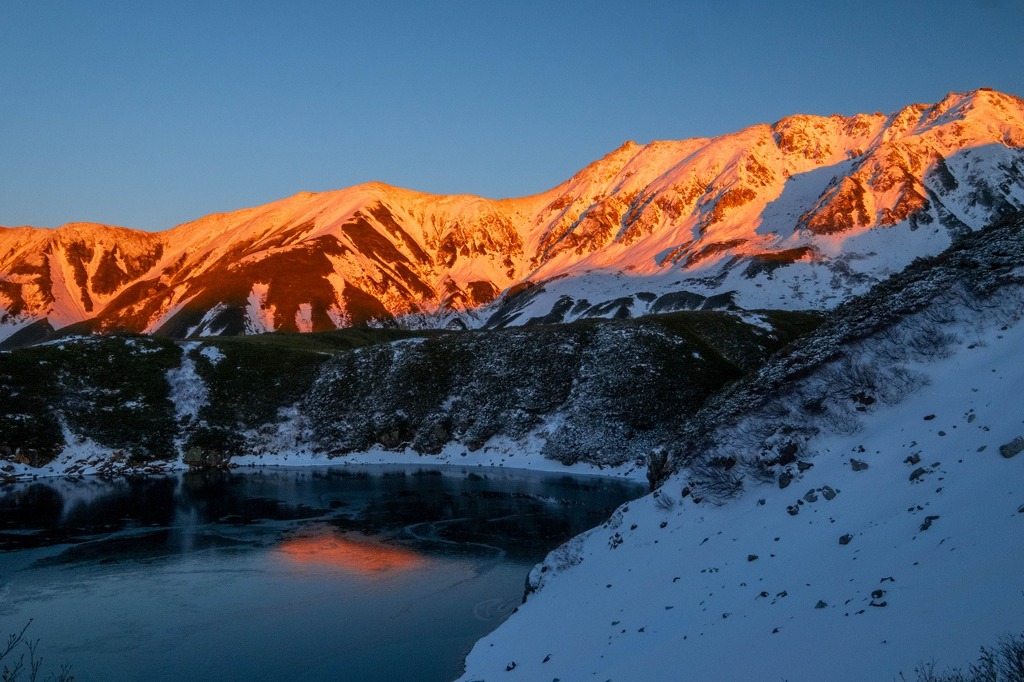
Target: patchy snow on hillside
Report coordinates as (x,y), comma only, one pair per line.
(82,456)
(187,391)
(900,544)
(259,317)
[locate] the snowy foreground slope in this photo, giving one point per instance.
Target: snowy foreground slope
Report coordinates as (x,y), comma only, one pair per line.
(901,542)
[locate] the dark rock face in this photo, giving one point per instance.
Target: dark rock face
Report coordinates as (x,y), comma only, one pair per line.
(1014,447)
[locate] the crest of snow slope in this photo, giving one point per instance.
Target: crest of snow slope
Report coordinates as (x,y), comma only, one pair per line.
(799,214)
(911,558)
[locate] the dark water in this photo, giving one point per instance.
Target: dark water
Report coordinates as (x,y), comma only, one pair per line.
(355,573)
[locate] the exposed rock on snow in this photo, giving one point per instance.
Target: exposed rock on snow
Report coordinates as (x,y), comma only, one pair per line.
(1012,448)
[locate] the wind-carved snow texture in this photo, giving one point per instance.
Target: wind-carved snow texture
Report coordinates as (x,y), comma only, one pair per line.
(852,516)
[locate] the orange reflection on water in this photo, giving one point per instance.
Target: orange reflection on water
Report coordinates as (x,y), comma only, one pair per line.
(367,558)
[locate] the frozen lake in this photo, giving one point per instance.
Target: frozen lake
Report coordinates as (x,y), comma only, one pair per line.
(354,573)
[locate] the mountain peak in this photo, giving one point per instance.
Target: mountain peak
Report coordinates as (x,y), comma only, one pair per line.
(801,213)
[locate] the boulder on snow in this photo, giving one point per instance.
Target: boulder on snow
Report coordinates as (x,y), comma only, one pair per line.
(1010,449)
(857,464)
(845,539)
(785,478)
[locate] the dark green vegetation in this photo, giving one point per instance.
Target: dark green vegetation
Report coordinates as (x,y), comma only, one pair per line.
(598,390)
(112,390)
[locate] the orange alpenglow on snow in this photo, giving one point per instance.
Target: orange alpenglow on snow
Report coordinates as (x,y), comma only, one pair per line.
(367,558)
(801,213)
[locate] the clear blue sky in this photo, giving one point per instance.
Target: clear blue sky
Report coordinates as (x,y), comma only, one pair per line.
(147,113)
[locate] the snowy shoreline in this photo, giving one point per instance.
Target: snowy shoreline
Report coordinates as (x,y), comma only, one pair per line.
(88,459)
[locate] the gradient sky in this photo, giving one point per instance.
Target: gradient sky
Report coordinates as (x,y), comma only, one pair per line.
(148,114)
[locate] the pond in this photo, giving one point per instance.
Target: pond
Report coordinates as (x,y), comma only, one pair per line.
(354,573)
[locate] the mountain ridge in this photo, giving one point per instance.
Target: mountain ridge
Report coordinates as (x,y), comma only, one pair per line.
(801,213)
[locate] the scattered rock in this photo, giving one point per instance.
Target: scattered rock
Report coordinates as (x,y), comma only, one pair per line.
(751,557)
(879,604)
(878,594)
(546,658)
(918,473)
(785,478)
(845,539)
(928,522)
(1012,448)
(929,417)
(510,667)
(803,466)
(787,453)
(913,459)
(663,524)
(820,605)
(1020,509)
(760,503)
(829,493)
(793,510)
(857,464)
(810,496)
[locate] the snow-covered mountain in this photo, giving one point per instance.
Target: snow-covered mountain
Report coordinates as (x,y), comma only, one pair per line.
(799,214)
